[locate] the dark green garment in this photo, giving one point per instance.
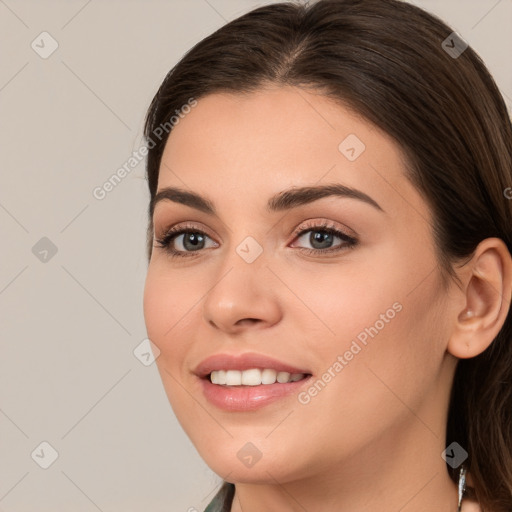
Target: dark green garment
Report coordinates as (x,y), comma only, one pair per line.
(223,499)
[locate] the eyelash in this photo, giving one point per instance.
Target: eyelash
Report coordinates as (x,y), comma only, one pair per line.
(165,241)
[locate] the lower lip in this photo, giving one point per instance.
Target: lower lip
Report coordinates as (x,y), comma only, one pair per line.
(249,398)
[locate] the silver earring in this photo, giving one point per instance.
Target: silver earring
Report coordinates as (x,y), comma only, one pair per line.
(462,485)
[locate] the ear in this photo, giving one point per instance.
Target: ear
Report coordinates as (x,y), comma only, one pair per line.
(487,288)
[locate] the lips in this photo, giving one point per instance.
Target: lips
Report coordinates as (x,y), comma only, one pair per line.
(253,396)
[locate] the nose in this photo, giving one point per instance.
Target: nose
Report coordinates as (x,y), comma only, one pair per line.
(243,296)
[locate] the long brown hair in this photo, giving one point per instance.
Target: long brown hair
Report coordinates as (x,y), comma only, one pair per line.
(386,59)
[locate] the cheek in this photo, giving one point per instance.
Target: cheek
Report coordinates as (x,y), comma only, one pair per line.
(167,301)
(385,320)
(396,343)
(168,313)
(345,305)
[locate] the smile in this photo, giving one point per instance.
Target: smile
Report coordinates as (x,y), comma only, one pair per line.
(249,381)
(253,377)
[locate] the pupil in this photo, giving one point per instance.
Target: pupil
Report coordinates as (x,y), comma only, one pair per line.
(194,239)
(325,239)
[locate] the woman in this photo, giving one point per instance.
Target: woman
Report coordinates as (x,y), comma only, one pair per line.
(330,275)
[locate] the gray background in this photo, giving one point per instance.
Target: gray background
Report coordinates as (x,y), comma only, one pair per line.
(70,321)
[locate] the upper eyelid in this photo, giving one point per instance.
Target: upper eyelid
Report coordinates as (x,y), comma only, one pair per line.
(183,226)
(303,226)
(327,225)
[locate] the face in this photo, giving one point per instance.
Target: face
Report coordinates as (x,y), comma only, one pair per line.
(336,288)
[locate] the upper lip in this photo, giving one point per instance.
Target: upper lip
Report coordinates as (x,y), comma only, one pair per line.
(242,362)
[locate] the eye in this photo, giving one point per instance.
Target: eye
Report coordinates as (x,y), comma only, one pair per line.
(181,241)
(184,241)
(321,237)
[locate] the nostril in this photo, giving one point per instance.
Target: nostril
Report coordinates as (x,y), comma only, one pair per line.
(248,320)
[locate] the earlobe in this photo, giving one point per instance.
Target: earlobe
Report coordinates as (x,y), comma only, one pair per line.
(487,294)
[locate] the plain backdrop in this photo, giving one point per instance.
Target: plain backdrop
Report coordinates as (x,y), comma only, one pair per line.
(73,266)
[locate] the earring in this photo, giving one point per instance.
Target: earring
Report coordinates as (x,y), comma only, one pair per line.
(462,485)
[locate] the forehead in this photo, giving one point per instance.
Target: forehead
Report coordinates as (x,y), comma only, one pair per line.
(234,146)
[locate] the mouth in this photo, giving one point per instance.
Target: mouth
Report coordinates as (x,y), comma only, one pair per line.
(246,382)
(253,377)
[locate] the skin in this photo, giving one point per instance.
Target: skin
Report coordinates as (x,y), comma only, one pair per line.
(372,438)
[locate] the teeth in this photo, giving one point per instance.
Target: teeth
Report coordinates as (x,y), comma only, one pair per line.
(218,377)
(268,376)
(283,377)
(250,377)
(233,378)
(253,377)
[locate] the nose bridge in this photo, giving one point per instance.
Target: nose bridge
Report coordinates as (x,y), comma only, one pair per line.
(250,250)
(243,266)
(247,246)
(241,290)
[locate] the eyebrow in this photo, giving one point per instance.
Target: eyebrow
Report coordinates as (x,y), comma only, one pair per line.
(284,200)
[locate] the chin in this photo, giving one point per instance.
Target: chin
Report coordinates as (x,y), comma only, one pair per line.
(241,462)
